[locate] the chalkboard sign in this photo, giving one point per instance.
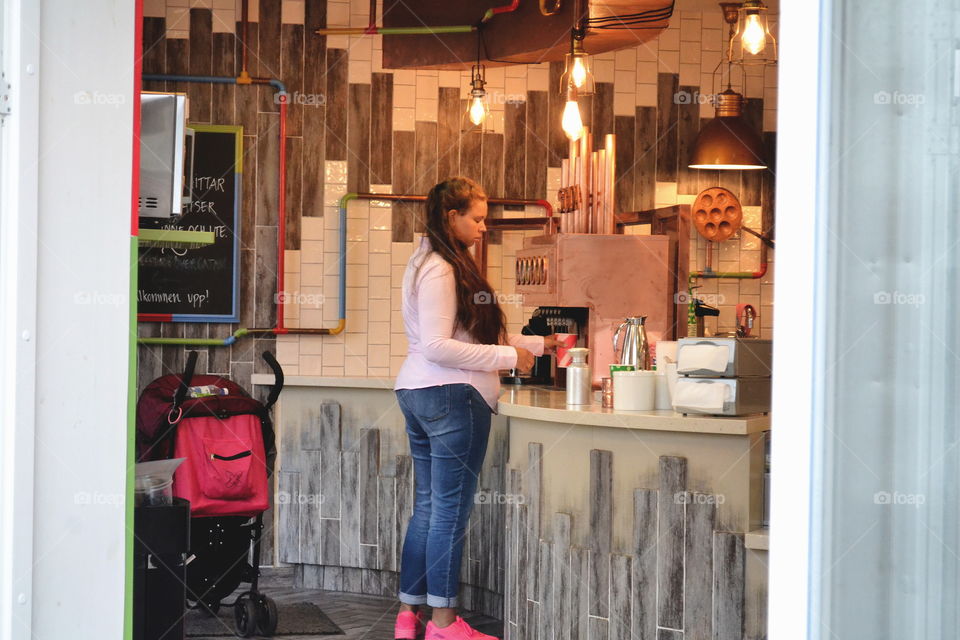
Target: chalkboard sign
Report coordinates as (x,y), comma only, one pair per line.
(201,284)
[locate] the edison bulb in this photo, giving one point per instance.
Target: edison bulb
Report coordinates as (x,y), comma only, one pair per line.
(579,72)
(754,37)
(572,123)
(478,110)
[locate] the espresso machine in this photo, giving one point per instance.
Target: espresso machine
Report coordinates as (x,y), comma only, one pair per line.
(589,283)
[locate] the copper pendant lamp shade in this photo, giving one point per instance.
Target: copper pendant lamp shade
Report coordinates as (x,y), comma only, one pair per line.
(727,142)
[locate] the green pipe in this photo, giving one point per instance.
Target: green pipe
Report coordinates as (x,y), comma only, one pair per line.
(403,31)
(197,342)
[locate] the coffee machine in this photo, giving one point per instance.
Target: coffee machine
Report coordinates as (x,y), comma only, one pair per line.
(591,282)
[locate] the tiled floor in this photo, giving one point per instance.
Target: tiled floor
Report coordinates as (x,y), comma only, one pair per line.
(360,617)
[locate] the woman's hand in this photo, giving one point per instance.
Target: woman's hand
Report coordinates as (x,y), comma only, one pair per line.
(550,344)
(524,359)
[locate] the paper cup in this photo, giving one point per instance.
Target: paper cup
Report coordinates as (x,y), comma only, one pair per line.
(567,341)
(634,390)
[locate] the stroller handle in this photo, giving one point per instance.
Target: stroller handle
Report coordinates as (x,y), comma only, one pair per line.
(277,379)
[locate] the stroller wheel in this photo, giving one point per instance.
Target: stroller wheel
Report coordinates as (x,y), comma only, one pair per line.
(267,617)
(245,617)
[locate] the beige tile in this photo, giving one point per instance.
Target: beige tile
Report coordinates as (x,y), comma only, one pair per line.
(311,252)
(333,355)
(426,109)
(379,241)
(538,78)
(668,62)
(624,80)
(311,228)
(398,344)
(380,287)
(666,192)
(647,73)
(380,218)
(603,70)
(311,365)
(647,51)
(689,74)
(448,78)
(357,252)
(690,30)
(288,349)
(379,372)
(291,12)
(404,119)
(311,345)
(356,298)
(427,87)
(395,363)
(380,264)
(669,40)
(338,14)
(379,333)
(404,96)
(154,8)
(357,274)
(333,372)
(380,310)
(405,76)
(646,95)
(311,274)
(355,366)
(690,53)
(312,318)
(625,60)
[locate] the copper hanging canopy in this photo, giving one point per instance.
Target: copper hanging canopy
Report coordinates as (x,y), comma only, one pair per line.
(728,141)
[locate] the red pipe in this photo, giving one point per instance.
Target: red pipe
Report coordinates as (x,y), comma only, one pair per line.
(507,8)
(282,219)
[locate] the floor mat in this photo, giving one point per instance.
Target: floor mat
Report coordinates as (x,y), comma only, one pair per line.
(295,619)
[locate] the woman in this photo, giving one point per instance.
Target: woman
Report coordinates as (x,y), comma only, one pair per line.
(447,389)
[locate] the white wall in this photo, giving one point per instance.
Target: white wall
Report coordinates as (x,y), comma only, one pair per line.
(86,54)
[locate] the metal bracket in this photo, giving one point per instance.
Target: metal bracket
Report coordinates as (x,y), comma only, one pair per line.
(5,98)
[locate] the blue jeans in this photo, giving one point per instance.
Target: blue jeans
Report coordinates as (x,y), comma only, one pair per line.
(448,427)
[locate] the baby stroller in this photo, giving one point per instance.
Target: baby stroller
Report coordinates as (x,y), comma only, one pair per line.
(227,439)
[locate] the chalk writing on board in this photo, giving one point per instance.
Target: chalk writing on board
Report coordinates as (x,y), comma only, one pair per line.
(200,283)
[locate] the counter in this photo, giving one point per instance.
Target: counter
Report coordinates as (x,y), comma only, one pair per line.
(591,521)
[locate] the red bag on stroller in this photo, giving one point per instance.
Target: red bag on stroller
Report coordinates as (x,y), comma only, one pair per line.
(225,439)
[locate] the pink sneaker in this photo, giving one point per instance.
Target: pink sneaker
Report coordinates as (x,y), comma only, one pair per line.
(459,630)
(409,626)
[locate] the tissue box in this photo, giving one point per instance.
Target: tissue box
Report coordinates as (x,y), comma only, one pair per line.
(724,357)
(742,397)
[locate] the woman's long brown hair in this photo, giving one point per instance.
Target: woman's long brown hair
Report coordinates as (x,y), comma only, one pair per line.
(478,312)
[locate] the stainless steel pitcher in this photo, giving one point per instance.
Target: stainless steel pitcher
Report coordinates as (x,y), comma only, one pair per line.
(636,349)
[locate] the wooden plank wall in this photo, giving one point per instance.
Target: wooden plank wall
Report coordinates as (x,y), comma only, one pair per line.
(681,578)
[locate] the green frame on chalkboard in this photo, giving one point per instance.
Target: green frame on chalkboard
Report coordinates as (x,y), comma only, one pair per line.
(234,315)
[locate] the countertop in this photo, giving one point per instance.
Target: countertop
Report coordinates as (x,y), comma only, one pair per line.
(549,405)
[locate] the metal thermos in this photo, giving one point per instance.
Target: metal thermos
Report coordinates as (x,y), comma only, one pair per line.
(579,377)
(636,349)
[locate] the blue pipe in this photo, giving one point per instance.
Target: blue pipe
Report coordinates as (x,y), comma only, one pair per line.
(160,77)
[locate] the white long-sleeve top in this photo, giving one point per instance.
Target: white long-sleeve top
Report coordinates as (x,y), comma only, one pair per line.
(436,353)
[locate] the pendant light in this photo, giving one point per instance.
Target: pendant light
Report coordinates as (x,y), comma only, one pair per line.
(728,142)
(477,116)
(750,41)
(577,72)
(572,123)
(478,109)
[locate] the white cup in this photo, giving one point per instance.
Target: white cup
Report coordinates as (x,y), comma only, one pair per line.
(664,400)
(634,390)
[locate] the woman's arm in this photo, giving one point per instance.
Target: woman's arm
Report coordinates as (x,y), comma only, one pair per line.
(533,344)
(437,311)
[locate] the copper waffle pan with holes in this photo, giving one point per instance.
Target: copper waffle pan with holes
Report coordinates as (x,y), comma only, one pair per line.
(717,214)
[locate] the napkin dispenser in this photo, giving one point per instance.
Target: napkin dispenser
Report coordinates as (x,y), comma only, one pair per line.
(724,357)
